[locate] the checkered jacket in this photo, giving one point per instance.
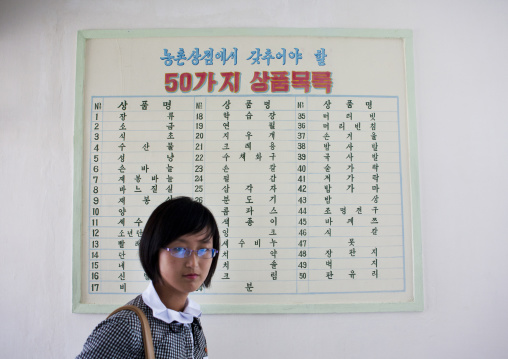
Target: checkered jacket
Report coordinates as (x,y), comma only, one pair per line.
(119,337)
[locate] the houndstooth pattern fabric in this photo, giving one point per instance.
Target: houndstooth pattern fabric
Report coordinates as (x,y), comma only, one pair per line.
(119,337)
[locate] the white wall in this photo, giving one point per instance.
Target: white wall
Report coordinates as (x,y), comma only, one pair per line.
(461,52)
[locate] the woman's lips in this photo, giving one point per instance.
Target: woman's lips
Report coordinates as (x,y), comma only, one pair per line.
(191,276)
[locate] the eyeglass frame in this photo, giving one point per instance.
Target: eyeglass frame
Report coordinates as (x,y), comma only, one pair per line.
(188,252)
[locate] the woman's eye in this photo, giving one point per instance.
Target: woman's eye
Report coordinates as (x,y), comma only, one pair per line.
(179,250)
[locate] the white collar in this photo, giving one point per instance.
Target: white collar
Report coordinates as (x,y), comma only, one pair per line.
(151,298)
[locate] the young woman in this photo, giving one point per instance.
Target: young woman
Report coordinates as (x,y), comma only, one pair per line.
(178,251)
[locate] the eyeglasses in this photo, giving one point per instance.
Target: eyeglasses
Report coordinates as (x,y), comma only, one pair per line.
(180,252)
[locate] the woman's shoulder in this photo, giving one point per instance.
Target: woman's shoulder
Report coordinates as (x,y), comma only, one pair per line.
(117,336)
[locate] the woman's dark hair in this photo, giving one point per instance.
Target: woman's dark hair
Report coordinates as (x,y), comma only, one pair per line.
(169,221)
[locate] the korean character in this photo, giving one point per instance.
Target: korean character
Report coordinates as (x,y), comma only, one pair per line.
(273,242)
(373,126)
(257,242)
(351,242)
(342,126)
(122,222)
(272,232)
(121,179)
(122,200)
(281,55)
(262,85)
(327,104)
(226,199)
(352,274)
(226,156)
(352,252)
(194,57)
(225,221)
(225,276)
(225,147)
(349,103)
(328,232)
(225,254)
(146,200)
(329,274)
(374,251)
(248,146)
(169,188)
(328,177)
(350,188)
(328,188)
(121,255)
(207,56)
(326,146)
(375,177)
(248,104)
(137,189)
(374,263)
(241,243)
(144,105)
(228,76)
(350,177)
(259,156)
(138,221)
(225,244)
(225,211)
(180,56)
(122,146)
(255,56)
(167,105)
(225,265)
(273,221)
(274,264)
(373,116)
(146,146)
(295,55)
(273,177)
(273,188)
(130,233)
(249,210)
(326,126)
(120,235)
(121,265)
(168,58)
(351,220)
(123,287)
(358,126)
(280,81)
(122,211)
(300,79)
(322,80)
(374,231)
(320,56)
(329,263)
(249,200)
(273,253)
(268,56)
(327,168)
(226,188)
(267,104)
(123,105)
(248,115)
(375,273)
(274,275)
(369,104)
(273,199)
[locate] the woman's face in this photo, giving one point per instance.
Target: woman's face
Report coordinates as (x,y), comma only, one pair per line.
(182,276)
